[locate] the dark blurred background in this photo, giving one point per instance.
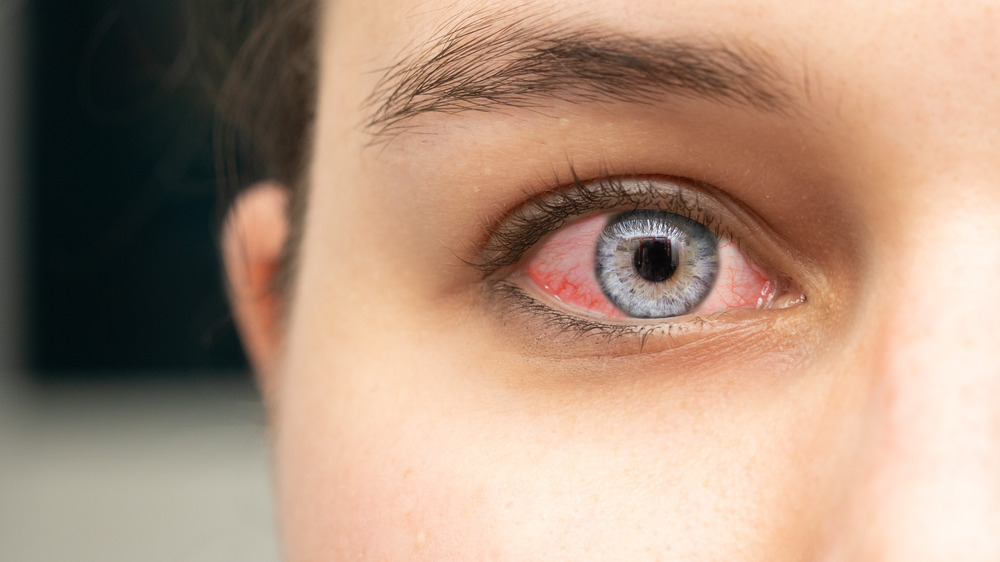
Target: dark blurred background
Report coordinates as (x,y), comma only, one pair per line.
(123,277)
(129,426)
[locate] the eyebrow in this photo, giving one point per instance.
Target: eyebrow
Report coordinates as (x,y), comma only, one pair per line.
(487,62)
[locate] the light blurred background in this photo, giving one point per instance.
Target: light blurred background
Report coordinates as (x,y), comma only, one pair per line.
(129,427)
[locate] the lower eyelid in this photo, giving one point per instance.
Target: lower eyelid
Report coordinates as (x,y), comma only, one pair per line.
(542,330)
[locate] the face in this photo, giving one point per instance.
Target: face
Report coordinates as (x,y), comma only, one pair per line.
(647,280)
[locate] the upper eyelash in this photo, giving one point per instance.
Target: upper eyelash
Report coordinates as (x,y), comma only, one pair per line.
(547,212)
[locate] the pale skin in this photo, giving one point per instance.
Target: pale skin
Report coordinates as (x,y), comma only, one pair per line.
(414,418)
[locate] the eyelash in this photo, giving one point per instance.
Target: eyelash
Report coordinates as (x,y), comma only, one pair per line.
(546,213)
(523,229)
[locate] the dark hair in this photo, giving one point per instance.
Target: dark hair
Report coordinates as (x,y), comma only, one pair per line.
(260,64)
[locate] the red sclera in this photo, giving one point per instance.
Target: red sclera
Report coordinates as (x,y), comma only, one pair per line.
(563,268)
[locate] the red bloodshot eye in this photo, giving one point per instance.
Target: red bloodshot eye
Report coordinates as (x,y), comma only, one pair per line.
(564,269)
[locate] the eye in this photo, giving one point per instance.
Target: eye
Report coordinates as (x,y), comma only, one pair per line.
(597,254)
(646,264)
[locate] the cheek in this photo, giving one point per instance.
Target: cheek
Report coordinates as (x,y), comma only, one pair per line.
(405,439)
(362,478)
(397,471)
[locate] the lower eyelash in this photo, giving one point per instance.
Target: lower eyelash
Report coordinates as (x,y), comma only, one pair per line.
(512,299)
(559,334)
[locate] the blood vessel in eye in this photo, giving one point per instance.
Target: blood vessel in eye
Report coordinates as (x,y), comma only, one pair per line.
(563,268)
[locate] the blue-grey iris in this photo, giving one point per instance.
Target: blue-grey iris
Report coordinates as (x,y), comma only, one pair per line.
(654,264)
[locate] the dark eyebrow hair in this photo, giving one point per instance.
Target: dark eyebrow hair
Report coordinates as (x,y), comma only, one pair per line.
(486,61)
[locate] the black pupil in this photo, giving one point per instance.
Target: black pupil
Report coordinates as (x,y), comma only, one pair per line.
(655,259)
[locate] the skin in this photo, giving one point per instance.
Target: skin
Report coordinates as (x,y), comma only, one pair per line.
(415,419)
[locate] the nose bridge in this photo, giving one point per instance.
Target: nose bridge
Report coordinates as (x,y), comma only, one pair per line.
(930,480)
